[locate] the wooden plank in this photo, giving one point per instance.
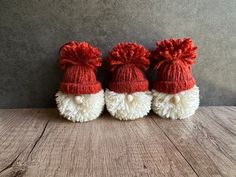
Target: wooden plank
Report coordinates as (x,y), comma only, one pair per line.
(104,147)
(39,143)
(207,140)
(19,130)
(225,116)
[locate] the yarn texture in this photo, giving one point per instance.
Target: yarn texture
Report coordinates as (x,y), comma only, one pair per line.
(79,60)
(85,107)
(127,96)
(127,62)
(175,94)
(81,97)
(126,106)
(173,60)
(176,106)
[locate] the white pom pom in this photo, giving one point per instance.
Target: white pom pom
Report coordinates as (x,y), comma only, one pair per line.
(176,106)
(80,108)
(125,106)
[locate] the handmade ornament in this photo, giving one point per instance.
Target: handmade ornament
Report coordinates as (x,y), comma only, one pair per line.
(81,97)
(127,96)
(175,94)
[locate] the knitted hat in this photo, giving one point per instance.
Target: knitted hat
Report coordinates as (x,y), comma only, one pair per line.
(173,59)
(79,60)
(126,62)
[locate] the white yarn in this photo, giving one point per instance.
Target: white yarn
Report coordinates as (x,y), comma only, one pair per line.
(176,106)
(125,106)
(80,108)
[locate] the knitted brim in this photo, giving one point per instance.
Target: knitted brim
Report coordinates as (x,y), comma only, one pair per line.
(172,87)
(129,86)
(80,88)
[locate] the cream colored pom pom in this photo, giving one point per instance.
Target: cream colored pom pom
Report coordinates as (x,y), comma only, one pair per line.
(80,108)
(176,106)
(125,106)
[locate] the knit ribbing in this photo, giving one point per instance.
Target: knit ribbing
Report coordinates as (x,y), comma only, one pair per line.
(78,60)
(173,60)
(126,62)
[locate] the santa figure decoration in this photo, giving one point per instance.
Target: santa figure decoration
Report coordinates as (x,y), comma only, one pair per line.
(175,94)
(81,97)
(127,96)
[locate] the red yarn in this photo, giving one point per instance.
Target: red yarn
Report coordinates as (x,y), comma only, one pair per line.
(173,59)
(78,60)
(128,53)
(82,53)
(126,61)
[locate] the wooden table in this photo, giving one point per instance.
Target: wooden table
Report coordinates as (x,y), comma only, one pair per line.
(38,142)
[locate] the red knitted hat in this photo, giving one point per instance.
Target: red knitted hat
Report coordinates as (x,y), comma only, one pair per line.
(173,59)
(79,60)
(126,62)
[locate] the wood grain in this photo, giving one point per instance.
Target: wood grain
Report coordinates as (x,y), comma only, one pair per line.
(207,140)
(38,142)
(20,130)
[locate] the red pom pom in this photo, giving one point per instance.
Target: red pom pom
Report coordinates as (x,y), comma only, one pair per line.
(174,50)
(128,53)
(74,53)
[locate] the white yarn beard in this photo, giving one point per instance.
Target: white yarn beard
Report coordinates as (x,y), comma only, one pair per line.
(119,106)
(90,107)
(164,105)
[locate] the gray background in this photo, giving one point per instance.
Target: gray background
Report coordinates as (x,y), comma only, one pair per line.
(31,32)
